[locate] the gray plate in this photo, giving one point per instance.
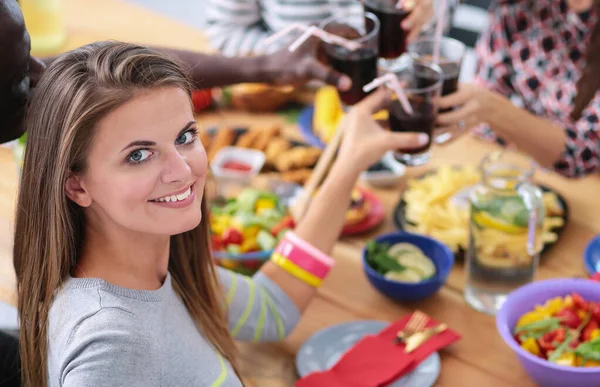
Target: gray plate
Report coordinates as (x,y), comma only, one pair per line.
(323,349)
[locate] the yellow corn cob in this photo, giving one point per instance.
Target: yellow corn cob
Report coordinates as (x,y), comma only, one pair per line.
(328,112)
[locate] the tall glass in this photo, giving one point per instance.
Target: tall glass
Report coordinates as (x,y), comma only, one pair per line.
(451,57)
(422,85)
(392,37)
(506,226)
(361,64)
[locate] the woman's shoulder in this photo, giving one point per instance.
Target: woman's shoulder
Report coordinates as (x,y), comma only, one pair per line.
(81,307)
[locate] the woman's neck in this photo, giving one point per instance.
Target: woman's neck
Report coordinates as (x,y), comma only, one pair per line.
(124,258)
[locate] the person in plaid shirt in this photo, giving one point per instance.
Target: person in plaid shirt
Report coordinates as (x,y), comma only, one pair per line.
(537,86)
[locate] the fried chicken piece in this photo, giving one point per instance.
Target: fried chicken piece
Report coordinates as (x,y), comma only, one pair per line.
(275,148)
(265,136)
(298,176)
(247,139)
(299,157)
(224,137)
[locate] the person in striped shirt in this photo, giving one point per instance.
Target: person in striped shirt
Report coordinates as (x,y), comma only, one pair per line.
(238,27)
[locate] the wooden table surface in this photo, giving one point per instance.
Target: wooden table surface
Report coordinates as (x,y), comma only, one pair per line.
(479,359)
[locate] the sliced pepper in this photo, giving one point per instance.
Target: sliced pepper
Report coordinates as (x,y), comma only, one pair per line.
(553,305)
(591,326)
(249,245)
(219,223)
(579,302)
(549,340)
(264,204)
(531,317)
(531,346)
(232,236)
(286,222)
(595,334)
(217,243)
(566,359)
(569,318)
(250,232)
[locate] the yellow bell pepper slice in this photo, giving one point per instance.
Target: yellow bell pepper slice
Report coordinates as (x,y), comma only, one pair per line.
(531,317)
(248,245)
(250,232)
(228,263)
(531,346)
(219,223)
(263,204)
(552,306)
(595,334)
(566,359)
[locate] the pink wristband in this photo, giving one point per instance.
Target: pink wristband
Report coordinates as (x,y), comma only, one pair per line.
(304,255)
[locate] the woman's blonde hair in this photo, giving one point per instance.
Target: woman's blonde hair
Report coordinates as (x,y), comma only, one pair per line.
(79,89)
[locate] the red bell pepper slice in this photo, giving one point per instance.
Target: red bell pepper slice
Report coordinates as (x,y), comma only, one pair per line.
(587,331)
(232,237)
(286,222)
(569,318)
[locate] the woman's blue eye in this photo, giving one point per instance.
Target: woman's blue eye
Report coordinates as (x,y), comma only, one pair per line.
(139,155)
(186,137)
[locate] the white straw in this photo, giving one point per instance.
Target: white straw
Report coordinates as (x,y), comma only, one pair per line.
(303,38)
(438,31)
(392,82)
(308,31)
(280,34)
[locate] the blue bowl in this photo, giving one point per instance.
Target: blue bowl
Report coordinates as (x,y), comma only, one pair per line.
(438,252)
(591,256)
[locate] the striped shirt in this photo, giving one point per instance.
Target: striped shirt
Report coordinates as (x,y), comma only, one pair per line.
(101,334)
(238,27)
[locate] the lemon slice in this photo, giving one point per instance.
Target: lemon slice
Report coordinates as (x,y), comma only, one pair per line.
(484,219)
(406,275)
(403,248)
(419,263)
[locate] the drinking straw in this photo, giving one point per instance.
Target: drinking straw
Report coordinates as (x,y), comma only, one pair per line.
(392,82)
(308,32)
(438,31)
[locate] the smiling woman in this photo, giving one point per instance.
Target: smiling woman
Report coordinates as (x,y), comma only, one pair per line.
(115,278)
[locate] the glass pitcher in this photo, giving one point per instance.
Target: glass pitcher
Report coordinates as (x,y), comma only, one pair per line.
(505,236)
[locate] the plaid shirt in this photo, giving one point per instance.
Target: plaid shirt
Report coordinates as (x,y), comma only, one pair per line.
(533,53)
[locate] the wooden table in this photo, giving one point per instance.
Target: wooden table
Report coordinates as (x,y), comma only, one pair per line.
(480,359)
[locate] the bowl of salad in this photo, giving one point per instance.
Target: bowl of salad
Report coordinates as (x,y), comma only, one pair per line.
(553,326)
(406,266)
(245,229)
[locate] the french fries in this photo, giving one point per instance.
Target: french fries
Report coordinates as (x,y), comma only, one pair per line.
(431,212)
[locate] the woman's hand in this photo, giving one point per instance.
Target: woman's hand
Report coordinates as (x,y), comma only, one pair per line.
(365,141)
(473,105)
(422,12)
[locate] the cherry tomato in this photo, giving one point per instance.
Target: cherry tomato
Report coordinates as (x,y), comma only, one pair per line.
(232,237)
(217,243)
(201,99)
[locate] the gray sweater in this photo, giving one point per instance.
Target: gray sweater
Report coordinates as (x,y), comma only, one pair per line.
(101,334)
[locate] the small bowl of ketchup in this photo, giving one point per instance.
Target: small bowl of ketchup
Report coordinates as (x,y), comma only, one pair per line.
(237,163)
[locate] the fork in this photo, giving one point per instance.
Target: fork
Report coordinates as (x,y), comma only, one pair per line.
(416,323)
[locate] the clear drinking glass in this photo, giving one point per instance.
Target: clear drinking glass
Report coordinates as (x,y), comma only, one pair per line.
(451,57)
(392,37)
(361,64)
(422,84)
(506,225)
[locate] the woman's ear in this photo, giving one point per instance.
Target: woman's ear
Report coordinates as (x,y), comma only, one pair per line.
(76,191)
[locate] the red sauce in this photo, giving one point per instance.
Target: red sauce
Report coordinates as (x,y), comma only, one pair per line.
(237,166)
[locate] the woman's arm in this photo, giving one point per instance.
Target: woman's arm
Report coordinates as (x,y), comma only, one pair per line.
(364,143)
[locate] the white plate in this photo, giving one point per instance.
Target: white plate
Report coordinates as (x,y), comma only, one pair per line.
(323,349)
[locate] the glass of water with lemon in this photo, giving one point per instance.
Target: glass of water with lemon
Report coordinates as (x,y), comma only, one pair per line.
(505,230)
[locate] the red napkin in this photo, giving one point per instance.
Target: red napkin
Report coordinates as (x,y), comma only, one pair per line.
(377,360)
